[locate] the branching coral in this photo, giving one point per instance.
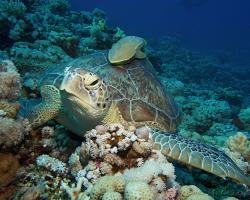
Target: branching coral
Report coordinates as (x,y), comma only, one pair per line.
(36,56)
(203,114)
(12,7)
(51,164)
(113,150)
(109,149)
(66,40)
(74,192)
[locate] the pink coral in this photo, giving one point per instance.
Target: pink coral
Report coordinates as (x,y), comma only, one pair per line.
(171,194)
(142,133)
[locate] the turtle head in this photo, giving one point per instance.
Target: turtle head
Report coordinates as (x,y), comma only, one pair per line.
(87,97)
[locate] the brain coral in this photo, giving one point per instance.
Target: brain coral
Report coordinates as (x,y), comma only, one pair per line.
(199,197)
(10,81)
(11,132)
(188,190)
(138,190)
(112,196)
(107,184)
(8,168)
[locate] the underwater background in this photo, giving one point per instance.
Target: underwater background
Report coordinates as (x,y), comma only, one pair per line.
(200,52)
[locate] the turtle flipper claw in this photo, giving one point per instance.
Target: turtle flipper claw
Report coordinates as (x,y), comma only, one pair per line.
(48,108)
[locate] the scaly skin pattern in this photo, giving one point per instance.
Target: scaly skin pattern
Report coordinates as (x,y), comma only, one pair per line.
(198,155)
(49,107)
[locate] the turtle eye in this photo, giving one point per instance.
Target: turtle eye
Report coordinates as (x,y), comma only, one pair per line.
(91,81)
(94,83)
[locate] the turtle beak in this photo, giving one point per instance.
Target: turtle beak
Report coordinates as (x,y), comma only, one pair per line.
(80,102)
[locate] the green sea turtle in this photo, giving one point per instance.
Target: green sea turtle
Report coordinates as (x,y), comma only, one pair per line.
(90,90)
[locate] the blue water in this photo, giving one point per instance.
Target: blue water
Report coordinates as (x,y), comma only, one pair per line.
(212,24)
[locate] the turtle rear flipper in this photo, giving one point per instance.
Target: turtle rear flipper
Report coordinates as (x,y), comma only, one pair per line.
(195,154)
(48,108)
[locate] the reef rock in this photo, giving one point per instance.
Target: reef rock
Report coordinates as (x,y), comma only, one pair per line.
(10,81)
(8,168)
(11,132)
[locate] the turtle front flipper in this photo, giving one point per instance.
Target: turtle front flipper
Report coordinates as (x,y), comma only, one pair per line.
(48,108)
(202,156)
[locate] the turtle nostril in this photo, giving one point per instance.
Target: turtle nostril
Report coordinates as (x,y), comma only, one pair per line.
(91,93)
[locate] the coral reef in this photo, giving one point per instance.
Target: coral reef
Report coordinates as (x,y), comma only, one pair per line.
(244,117)
(51,164)
(105,147)
(36,56)
(239,143)
(9,109)
(205,114)
(11,133)
(111,162)
(10,81)
(8,167)
(191,192)
(29,21)
(175,87)
(138,190)
(106,184)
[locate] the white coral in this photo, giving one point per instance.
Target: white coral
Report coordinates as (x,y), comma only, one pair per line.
(51,163)
(151,169)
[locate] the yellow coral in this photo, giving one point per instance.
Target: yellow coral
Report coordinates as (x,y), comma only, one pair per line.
(230,198)
(143,147)
(239,143)
(9,108)
(238,159)
(112,196)
(138,190)
(188,190)
(200,197)
(105,184)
